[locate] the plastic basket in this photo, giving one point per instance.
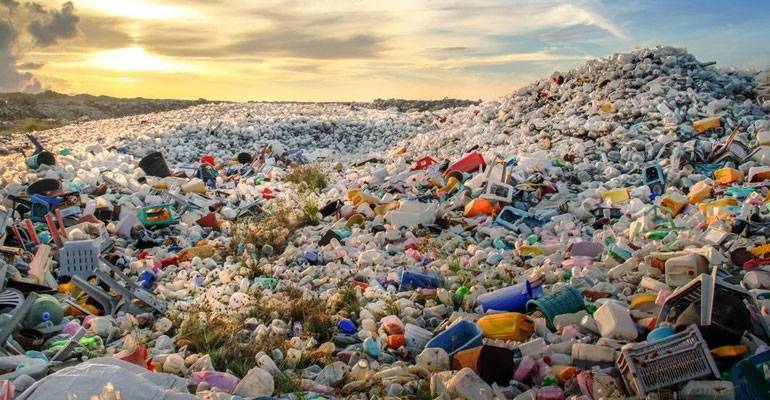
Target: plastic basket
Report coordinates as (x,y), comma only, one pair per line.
(79,258)
(749,378)
(676,359)
(460,336)
(567,300)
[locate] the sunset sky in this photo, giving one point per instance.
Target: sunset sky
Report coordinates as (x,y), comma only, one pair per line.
(348,50)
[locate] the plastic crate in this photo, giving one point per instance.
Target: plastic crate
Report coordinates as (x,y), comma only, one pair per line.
(79,258)
(676,359)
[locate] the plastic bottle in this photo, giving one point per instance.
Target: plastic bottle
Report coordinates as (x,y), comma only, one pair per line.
(550,393)
(682,269)
(221,381)
(592,354)
(392,325)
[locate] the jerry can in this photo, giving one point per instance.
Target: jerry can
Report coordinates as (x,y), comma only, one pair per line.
(699,192)
(675,202)
(727,175)
(506,326)
(681,270)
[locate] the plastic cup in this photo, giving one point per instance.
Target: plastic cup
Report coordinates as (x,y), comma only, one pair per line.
(43,158)
(154,164)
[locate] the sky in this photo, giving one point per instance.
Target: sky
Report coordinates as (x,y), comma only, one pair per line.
(352,50)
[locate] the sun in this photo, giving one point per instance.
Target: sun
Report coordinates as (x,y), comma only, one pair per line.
(134,59)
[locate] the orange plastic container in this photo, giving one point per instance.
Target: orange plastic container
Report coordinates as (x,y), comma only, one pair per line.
(702,125)
(564,372)
(478,207)
(468,358)
(675,202)
(396,341)
(506,326)
(699,192)
(727,175)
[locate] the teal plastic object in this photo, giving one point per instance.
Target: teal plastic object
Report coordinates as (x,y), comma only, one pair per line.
(158,215)
(749,378)
(568,300)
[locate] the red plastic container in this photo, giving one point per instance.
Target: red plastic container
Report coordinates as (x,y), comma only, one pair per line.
(424,163)
(470,163)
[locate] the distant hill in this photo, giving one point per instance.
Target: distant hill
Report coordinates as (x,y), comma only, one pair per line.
(24,111)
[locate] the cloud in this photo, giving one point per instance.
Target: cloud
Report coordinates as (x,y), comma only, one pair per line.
(54,25)
(44,28)
(292,43)
(30,65)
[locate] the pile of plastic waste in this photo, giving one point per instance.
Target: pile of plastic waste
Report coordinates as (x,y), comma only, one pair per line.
(599,234)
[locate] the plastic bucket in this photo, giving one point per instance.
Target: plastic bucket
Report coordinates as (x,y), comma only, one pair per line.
(460,336)
(511,298)
(153,164)
(660,333)
(45,187)
(36,160)
(568,300)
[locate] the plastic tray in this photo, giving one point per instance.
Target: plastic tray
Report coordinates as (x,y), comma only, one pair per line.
(146,215)
(676,359)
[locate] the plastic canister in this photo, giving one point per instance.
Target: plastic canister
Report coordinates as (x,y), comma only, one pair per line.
(675,202)
(727,175)
(681,270)
(617,196)
(615,322)
(506,326)
(511,298)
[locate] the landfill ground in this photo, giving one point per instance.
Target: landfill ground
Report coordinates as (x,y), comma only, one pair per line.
(603,233)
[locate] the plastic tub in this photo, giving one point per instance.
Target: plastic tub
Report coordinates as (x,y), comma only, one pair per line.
(470,163)
(43,158)
(45,187)
(460,336)
(568,300)
(511,298)
(415,280)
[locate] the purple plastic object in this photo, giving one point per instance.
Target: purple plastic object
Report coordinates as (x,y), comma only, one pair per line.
(221,381)
(525,369)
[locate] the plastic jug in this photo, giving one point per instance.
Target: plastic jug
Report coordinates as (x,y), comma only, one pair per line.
(617,196)
(615,322)
(675,202)
(506,326)
(702,125)
(762,155)
(727,175)
(592,354)
(468,358)
(699,192)
(511,298)
(681,270)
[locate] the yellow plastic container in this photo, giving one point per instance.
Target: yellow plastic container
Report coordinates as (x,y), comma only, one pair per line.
(738,350)
(607,107)
(617,196)
(712,208)
(699,192)
(507,326)
(675,202)
(450,185)
(644,302)
(728,175)
(705,124)
(760,250)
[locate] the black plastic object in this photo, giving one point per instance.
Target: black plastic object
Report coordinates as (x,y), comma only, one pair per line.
(729,321)
(496,365)
(327,238)
(244,158)
(45,187)
(330,208)
(154,164)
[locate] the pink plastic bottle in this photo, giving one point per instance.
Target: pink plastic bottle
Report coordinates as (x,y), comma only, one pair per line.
(550,393)
(6,390)
(526,367)
(221,381)
(392,325)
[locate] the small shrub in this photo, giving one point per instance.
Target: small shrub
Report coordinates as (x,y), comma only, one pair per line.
(307,179)
(310,208)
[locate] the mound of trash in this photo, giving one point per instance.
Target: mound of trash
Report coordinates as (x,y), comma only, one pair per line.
(599,234)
